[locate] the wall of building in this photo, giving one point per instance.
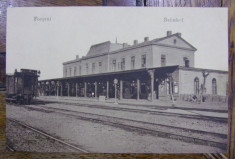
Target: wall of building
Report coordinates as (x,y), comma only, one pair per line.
(175,49)
(174,56)
(71,69)
(176,41)
(127,54)
(186,81)
(82,63)
(104,68)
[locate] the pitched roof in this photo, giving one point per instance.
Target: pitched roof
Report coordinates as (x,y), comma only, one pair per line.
(104,47)
(155,41)
(109,48)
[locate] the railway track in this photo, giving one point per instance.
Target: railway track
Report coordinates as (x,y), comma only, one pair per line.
(160,130)
(46,135)
(155,112)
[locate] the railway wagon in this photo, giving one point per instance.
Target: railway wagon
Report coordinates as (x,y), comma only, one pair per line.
(21,86)
(2,70)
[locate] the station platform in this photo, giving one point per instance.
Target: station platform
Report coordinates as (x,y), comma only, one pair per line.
(207,109)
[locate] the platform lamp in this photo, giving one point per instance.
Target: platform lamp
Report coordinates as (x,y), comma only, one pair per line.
(115,85)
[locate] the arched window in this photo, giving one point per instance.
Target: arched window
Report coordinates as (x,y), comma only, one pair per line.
(214,86)
(196,85)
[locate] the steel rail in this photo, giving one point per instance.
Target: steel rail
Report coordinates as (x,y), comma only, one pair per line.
(47,135)
(96,119)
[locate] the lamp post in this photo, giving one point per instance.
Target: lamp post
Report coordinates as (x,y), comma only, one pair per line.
(115,85)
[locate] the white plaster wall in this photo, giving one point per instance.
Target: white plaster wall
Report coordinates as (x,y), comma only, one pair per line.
(96,60)
(127,54)
(187,81)
(174,56)
(179,42)
(72,66)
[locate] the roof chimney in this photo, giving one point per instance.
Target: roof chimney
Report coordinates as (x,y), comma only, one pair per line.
(124,45)
(146,39)
(77,57)
(168,33)
(135,42)
(179,34)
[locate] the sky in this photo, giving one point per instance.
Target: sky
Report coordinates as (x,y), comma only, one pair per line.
(71,31)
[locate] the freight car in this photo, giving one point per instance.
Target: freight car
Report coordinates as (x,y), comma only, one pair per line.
(2,70)
(21,87)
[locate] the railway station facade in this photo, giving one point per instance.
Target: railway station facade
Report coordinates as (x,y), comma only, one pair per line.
(161,68)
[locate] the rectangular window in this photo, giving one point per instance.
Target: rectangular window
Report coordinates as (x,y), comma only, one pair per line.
(114,65)
(66,72)
(163,60)
(80,70)
(70,71)
(123,64)
(75,71)
(119,65)
(93,67)
(133,62)
(87,68)
(100,66)
(186,62)
(143,61)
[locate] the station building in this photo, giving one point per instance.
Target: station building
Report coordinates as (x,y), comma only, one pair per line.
(161,68)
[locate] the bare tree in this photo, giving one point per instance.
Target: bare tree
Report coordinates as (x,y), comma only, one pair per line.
(170,82)
(203,86)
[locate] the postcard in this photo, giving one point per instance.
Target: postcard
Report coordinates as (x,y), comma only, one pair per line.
(117,79)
